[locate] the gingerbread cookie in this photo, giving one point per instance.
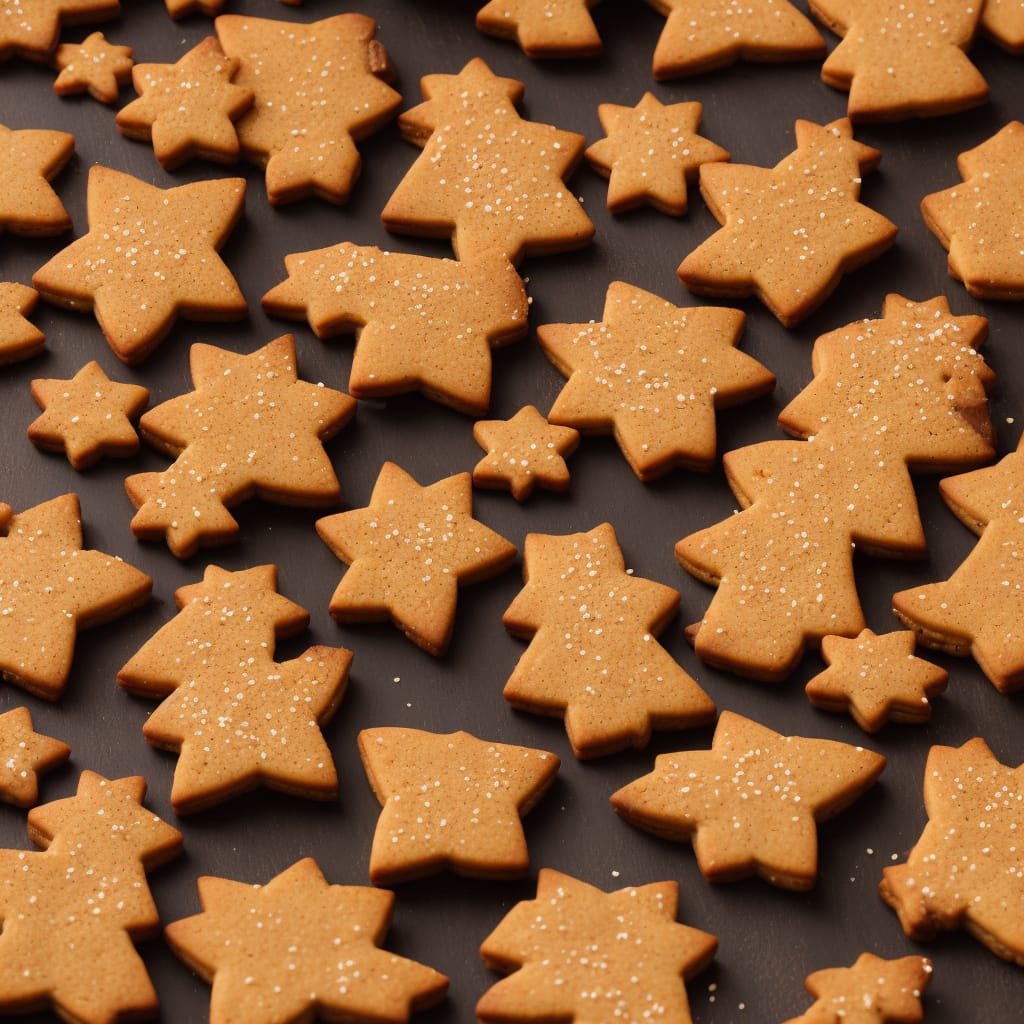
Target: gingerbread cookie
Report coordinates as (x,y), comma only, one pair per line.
(181,8)
(650,153)
(638,957)
(789,233)
(94,66)
(543,28)
(88,417)
(653,375)
(1003,21)
(592,657)
(902,58)
(451,802)
(29,159)
(31,28)
(50,588)
(964,871)
(749,805)
(877,679)
(421,324)
(24,755)
(409,551)
(487,179)
(298,947)
(19,339)
(319,89)
(980,221)
(250,428)
(72,912)
(188,109)
(150,256)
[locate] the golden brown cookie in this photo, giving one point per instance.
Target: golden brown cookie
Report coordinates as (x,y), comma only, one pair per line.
(409,551)
(31,28)
(94,66)
(421,324)
(981,221)
(298,948)
(789,233)
(543,28)
(251,428)
(593,658)
(150,256)
(877,679)
(320,88)
(653,374)
(181,8)
(25,755)
(487,179)
(451,802)
(639,957)
(19,339)
(1003,21)
(188,109)
(750,804)
(50,588)
(965,870)
(88,417)
(29,159)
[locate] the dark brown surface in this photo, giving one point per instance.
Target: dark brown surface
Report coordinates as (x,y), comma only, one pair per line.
(769,939)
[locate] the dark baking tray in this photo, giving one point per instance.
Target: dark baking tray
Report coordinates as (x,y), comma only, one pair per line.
(769,939)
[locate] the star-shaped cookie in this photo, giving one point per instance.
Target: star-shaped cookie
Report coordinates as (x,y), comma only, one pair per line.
(750,804)
(88,417)
(188,109)
(1003,21)
(451,801)
(19,339)
(653,374)
(50,588)
(523,452)
(150,256)
(182,8)
(543,28)
(981,221)
(29,159)
(94,66)
(24,755)
(877,679)
(409,551)
(298,948)
(789,232)
(31,28)
(650,153)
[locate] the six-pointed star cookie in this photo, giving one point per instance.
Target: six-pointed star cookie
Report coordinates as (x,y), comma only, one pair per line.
(653,374)
(88,417)
(19,339)
(50,588)
(298,948)
(981,222)
(24,755)
(30,158)
(577,953)
(31,28)
(543,28)
(877,679)
(188,109)
(409,551)
(451,801)
(149,257)
(750,804)
(650,153)
(94,66)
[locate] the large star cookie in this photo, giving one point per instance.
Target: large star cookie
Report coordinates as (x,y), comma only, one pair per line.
(24,755)
(94,66)
(543,28)
(19,339)
(31,28)
(29,159)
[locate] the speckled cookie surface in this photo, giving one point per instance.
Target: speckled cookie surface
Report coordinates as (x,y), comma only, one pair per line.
(543,28)
(29,159)
(31,28)
(94,66)
(25,755)
(19,338)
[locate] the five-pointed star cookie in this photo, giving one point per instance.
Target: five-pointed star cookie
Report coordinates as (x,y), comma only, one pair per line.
(965,870)
(188,109)
(543,28)
(577,953)
(981,222)
(88,417)
(452,802)
(30,158)
(409,551)
(94,66)
(319,89)
(250,428)
(19,339)
(653,374)
(298,948)
(872,991)
(650,153)
(877,679)
(31,28)
(750,804)
(789,232)
(523,452)
(50,588)
(704,34)
(1003,21)
(150,256)
(24,755)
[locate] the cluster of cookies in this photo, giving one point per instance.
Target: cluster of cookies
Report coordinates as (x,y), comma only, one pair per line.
(901,394)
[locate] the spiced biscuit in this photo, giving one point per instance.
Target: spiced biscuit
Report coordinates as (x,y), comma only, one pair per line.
(19,338)
(31,28)
(29,159)
(94,66)
(25,755)
(543,28)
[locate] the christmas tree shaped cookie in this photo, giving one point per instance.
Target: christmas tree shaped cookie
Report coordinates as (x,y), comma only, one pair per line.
(19,338)
(543,28)
(236,717)
(903,393)
(487,179)
(24,755)
(29,159)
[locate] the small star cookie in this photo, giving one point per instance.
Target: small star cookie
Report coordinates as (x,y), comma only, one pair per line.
(19,339)
(543,28)
(29,159)
(24,755)
(31,28)
(94,66)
